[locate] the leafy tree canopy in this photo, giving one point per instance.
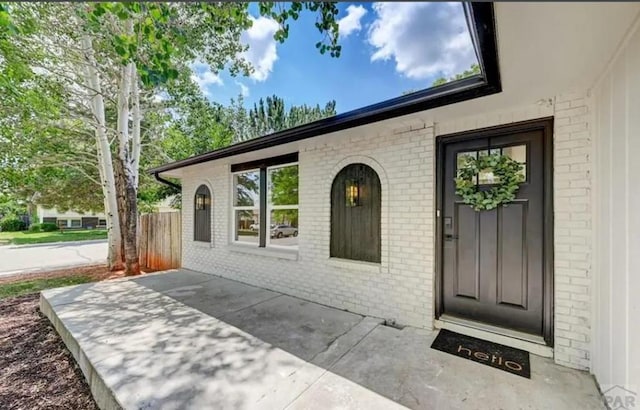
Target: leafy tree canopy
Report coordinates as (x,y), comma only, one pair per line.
(473,70)
(47,143)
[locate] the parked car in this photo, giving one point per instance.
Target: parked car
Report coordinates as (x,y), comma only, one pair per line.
(279,231)
(254,227)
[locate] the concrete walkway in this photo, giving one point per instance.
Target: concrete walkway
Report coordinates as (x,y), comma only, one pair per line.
(16,259)
(189,340)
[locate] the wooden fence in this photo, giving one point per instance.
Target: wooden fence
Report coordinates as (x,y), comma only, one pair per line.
(160,243)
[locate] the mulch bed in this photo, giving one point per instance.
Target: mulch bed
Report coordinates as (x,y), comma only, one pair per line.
(36,369)
(38,372)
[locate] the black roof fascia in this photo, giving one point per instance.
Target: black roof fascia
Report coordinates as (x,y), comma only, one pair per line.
(165,181)
(482,28)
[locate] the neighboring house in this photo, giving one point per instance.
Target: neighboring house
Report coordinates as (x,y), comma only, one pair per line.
(70,219)
(382,232)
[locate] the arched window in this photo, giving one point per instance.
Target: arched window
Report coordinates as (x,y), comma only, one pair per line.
(202,214)
(355,214)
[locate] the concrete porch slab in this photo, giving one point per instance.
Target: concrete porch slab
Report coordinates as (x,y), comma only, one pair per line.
(400,364)
(209,294)
(185,339)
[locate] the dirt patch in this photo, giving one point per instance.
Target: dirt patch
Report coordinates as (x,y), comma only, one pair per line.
(96,272)
(38,372)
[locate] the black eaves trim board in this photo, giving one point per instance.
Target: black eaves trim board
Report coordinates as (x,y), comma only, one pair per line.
(480,18)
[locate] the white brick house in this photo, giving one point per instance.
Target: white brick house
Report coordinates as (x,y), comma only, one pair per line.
(575,68)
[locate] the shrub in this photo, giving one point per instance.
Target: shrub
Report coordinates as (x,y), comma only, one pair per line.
(48,227)
(11,223)
(35,228)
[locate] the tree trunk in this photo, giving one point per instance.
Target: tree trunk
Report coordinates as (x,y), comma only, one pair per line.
(136,119)
(107,176)
(128,212)
(120,197)
(128,203)
(131,236)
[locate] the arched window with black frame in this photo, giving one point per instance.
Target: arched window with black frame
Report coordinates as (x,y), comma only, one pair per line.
(202,215)
(355,214)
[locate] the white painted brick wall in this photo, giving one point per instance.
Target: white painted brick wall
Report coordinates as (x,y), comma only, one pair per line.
(401,287)
(573,229)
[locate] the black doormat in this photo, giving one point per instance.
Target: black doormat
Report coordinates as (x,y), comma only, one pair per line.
(501,357)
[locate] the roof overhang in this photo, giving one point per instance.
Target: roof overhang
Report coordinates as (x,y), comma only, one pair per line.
(546,49)
(481,21)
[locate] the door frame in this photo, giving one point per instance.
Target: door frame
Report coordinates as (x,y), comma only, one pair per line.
(541,124)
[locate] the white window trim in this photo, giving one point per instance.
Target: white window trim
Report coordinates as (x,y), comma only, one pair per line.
(270,207)
(235,208)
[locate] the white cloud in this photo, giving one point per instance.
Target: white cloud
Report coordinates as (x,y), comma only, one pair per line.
(204,77)
(351,22)
(424,39)
(262,53)
(244,90)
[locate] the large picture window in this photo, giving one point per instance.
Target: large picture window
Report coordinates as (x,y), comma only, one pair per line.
(265,207)
(355,214)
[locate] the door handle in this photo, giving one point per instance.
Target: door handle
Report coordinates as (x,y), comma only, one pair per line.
(449,237)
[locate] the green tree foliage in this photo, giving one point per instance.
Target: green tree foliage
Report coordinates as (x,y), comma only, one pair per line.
(11,206)
(247,186)
(270,115)
(47,146)
(284,186)
(201,126)
(164,33)
(11,223)
(473,70)
(41,144)
(105,63)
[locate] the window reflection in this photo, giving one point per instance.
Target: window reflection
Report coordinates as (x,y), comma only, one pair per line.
(486,176)
(247,192)
(247,226)
(283,205)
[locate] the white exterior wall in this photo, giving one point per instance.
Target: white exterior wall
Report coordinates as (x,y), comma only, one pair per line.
(617,291)
(400,288)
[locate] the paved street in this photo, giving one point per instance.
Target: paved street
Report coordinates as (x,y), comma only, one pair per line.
(31,258)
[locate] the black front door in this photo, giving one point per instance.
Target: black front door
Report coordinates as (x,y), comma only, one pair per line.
(493,262)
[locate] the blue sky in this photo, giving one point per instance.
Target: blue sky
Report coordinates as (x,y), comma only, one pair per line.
(387,48)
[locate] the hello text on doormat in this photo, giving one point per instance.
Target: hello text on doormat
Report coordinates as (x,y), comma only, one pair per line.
(501,357)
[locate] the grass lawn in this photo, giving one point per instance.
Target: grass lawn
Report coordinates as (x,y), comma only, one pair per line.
(24,237)
(36,285)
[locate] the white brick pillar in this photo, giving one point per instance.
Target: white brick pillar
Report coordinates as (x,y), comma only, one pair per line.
(572,230)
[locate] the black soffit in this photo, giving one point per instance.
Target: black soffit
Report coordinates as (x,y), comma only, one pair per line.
(480,18)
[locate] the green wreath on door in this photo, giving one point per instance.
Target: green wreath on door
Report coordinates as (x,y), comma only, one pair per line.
(509,172)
